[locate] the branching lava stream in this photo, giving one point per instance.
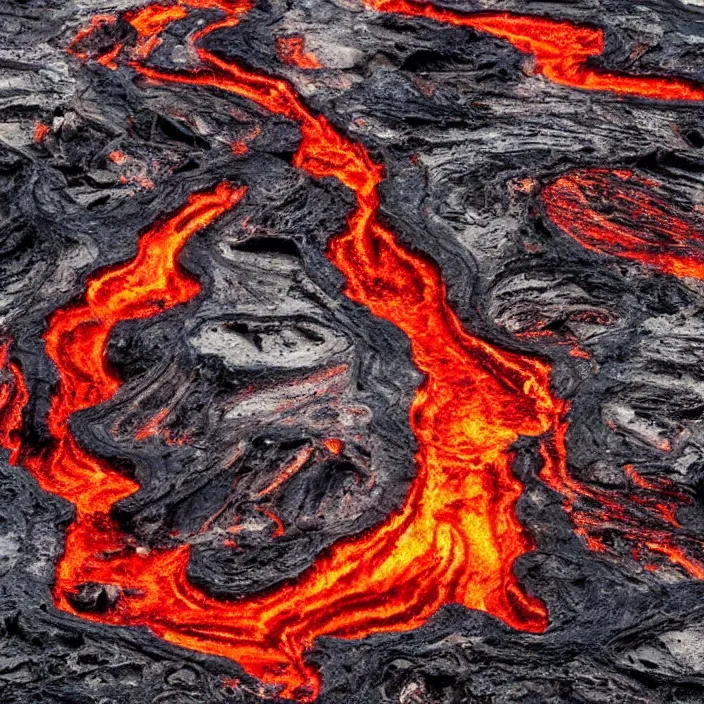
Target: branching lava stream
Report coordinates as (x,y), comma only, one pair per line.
(456,537)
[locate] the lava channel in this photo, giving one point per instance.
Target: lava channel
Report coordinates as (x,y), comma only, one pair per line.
(562,50)
(456,537)
(619,212)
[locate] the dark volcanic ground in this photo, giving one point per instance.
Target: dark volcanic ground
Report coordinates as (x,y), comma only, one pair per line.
(459,123)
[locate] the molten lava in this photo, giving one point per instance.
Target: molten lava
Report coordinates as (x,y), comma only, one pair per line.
(40,132)
(562,50)
(615,211)
(291,50)
(456,537)
(619,213)
(13,398)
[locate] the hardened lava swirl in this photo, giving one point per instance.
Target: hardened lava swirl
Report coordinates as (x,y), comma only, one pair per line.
(456,537)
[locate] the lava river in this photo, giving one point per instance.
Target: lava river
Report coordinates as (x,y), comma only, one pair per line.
(456,537)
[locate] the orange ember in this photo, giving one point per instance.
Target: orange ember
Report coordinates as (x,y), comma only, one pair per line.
(117,157)
(456,537)
(279,529)
(334,445)
(108,59)
(291,50)
(294,466)
(40,132)
(152,426)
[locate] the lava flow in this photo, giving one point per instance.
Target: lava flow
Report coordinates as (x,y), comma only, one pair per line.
(456,537)
(562,50)
(615,211)
(291,50)
(619,213)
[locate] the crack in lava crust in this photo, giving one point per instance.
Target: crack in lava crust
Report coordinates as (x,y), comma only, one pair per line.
(587,203)
(456,537)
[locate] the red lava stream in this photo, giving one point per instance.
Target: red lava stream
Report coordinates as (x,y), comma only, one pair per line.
(456,537)
(620,213)
(651,231)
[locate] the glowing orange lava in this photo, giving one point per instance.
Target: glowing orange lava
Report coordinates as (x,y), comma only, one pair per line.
(117,157)
(617,212)
(40,132)
(614,211)
(456,537)
(13,398)
(334,445)
(561,49)
(150,22)
(291,50)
